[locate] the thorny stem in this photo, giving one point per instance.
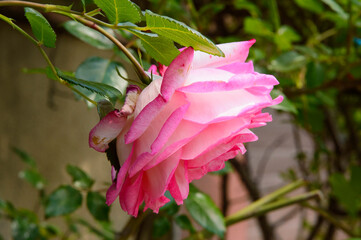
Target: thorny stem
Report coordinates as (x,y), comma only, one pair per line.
(38,45)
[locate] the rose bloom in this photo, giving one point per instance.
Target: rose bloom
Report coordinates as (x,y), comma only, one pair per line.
(187,122)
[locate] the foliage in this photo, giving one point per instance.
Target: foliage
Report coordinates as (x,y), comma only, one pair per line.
(312,47)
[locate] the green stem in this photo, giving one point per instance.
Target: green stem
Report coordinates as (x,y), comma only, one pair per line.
(262,201)
(272,206)
(141,73)
(332,219)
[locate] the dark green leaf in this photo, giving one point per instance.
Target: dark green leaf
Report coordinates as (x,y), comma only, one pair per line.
(93,88)
(40,27)
(25,226)
(88,35)
(355,180)
(161,226)
(62,201)
(80,178)
(180,33)
(103,234)
(256,26)
(205,212)
(287,62)
(119,11)
(33,177)
(102,72)
(7,208)
(184,223)
(160,48)
(311,5)
(97,207)
(344,192)
(25,157)
(315,74)
(286,105)
(86,2)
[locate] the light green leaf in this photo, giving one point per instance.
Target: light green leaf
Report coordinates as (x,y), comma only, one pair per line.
(180,33)
(256,26)
(88,35)
(205,212)
(102,72)
(33,177)
(80,178)
(311,5)
(288,61)
(160,48)
(336,7)
(62,201)
(286,105)
(119,11)
(95,203)
(285,36)
(41,27)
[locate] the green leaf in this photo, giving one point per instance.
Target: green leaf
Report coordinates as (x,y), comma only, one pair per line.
(256,26)
(161,226)
(62,201)
(80,178)
(160,48)
(315,74)
(25,157)
(311,5)
(25,226)
(205,212)
(344,192)
(119,11)
(102,72)
(285,37)
(286,105)
(336,7)
(97,207)
(88,35)
(180,33)
(288,61)
(86,2)
(7,208)
(93,87)
(184,223)
(355,180)
(41,27)
(249,6)
(33,177)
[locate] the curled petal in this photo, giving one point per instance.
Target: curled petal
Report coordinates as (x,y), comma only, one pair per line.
(106,130)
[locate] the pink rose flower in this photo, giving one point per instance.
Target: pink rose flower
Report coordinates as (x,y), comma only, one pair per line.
(187,122)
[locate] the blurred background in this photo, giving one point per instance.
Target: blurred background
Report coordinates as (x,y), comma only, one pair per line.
(313,48)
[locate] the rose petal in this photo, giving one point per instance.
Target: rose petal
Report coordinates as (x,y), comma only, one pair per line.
(234,52)
(106,130)
(179,185)
(176,73)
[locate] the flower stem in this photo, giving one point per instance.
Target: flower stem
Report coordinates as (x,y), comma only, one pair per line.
(272,206)
(262,201)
